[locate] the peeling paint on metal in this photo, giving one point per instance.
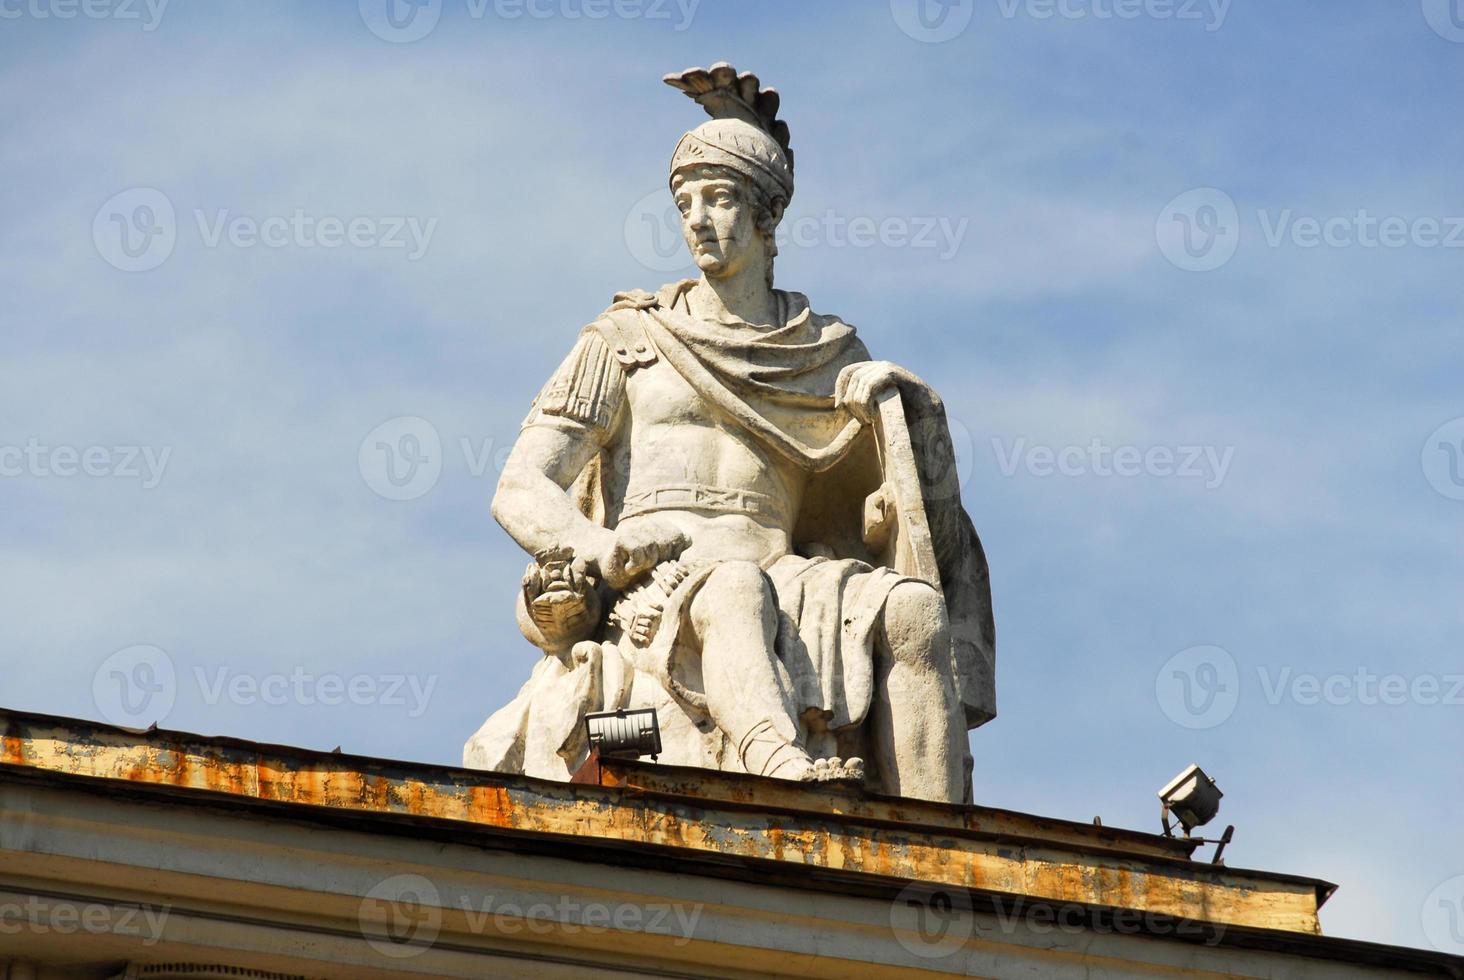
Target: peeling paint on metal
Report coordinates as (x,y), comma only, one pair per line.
(700,813)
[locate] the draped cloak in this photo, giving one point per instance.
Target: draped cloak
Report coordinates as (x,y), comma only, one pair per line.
(777,385)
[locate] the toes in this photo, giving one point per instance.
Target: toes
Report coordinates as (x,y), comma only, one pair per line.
(834,769)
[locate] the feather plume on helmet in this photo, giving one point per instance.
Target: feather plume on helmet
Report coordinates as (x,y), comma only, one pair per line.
(744,133)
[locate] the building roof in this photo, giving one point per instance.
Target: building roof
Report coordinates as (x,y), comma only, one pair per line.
(620,813)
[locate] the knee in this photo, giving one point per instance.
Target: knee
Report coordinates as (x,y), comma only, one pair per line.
(916,627)
(732,586)
(916,603)
(738,579)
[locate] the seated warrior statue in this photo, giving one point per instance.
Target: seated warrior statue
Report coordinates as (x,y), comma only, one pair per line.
(708,487)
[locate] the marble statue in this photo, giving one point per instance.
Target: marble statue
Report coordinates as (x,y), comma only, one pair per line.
(739,518)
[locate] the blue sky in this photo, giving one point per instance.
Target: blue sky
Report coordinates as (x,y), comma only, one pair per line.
(1021,192)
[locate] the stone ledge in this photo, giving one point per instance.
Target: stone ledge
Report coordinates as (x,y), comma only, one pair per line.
(714,816)
(272,859)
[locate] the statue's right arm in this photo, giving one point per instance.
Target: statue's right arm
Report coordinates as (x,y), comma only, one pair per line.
(534,510)
(579,412)
(530,502)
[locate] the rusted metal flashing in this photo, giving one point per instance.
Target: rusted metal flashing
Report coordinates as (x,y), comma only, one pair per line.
(705,817)
(834,798)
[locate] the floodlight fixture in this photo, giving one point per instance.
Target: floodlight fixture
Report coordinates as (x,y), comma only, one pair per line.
(628,733)
(1192,797)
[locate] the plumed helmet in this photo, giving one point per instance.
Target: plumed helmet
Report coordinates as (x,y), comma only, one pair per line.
(744,133)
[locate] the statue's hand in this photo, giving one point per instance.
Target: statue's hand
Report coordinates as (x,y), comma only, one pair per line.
(859,385)
(559,605)
(638,547)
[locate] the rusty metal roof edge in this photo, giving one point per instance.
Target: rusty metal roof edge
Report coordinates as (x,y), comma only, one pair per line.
(761,870)
(1324,889)
(490,777)
(291,809)
(657,771)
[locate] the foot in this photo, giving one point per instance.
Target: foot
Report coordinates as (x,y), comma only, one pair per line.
(835,770)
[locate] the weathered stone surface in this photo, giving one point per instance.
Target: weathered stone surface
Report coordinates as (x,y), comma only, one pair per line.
(762,535)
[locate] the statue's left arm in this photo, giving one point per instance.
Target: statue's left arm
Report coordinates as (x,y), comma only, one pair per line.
(964,574)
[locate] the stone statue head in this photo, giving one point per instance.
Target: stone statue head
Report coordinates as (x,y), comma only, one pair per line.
(727,220)
(732,177)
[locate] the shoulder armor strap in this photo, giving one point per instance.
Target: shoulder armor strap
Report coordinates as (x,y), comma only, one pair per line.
(634,299)
(621,328)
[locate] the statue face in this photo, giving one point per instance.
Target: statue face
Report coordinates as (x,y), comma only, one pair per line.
(718,221)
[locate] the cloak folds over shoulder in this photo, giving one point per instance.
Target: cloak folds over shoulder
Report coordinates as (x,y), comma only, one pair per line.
(777,384)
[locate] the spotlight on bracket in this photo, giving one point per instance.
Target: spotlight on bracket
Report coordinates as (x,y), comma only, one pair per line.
(624,734)
(1193,798)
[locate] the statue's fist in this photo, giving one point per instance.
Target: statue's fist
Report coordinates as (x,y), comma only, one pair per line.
(638,547)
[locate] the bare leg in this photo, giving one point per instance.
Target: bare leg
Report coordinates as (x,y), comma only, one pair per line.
(917,728)
(736,623)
